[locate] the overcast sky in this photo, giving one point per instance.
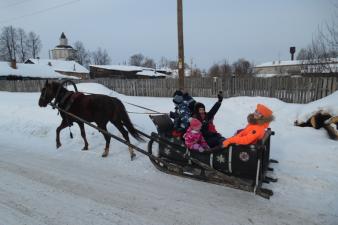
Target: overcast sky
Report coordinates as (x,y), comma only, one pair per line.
(214,30)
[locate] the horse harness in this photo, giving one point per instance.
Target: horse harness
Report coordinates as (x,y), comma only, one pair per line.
(68,99)
(66,103)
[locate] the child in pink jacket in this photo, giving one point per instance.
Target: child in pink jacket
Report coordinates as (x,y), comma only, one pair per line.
(194,139)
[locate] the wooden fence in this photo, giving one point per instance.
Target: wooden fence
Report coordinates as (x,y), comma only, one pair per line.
(295,90)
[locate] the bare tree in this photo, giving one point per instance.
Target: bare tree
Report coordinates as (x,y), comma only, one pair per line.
(318,56)
(196,72)
(173,64)
(34,44)
(100,57)
(22,45)
(225,69)
(330,31)
(8,43)
(164,62)
(242,67)
(302,54)
(82,55)
(214,71)
(150,63)
(136,60)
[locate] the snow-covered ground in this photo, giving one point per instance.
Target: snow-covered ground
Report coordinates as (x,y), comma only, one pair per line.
(42,185)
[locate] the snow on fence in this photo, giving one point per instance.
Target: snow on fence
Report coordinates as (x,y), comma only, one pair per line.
(293,90)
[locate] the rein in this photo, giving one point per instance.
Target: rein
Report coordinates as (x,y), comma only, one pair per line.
(153,111)
(75,88)
(138,106)
(55,105)
(150,113)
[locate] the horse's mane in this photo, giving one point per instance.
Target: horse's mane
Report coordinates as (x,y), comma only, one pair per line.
(56,86)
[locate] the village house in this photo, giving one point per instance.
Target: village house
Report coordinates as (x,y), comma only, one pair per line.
(62,60)
(68,68)
(327,67)
(124,72)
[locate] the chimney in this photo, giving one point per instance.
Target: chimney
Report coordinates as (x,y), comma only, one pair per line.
(292,51)
(13,63)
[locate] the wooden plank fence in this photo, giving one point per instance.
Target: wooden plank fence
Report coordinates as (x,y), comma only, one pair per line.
(293,90)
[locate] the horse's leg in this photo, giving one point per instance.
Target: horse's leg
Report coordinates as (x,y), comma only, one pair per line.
(107,137)
(83,134)
(124,133)
(58,130)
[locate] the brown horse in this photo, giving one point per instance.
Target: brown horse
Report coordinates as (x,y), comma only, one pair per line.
(93,108)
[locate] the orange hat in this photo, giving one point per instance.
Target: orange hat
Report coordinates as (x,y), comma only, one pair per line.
(265,111)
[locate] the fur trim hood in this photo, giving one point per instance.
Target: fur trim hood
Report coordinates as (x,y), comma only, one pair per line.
(251,119)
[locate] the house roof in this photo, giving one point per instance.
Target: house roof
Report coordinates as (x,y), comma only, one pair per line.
(119,67)
(293,62)
(151,73)
(61,65)
(63,36)
(142,71)
(63,47)
(30,70)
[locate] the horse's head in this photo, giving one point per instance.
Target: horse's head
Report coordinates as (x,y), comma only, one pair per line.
(48,93)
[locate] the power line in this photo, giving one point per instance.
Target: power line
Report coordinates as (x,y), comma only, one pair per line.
(39,12)
(14,4)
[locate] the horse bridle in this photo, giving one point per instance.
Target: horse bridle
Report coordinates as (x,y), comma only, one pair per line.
(43,97)
(59,89)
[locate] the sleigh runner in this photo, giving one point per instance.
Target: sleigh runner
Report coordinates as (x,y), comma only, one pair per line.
(243,167)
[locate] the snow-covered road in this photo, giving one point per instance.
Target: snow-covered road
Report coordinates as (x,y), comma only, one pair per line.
(42,185)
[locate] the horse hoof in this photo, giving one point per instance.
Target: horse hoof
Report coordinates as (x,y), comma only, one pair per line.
(84,148)
(58,145)
(105,154)
(133,156)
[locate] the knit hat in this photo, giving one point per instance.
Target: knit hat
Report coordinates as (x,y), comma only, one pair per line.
(178,97)
(198,105)
(178,92)
(195,124)
(265,111)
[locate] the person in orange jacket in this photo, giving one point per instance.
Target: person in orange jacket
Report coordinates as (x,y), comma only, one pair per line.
(254,131)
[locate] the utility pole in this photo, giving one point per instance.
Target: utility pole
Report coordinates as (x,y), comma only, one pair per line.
(180,45)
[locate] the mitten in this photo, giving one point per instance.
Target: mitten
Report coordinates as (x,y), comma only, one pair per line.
(220,96)
(201,149)
(173,114)
(226,143)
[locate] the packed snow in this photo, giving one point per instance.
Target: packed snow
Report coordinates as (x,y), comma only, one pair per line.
(44,185)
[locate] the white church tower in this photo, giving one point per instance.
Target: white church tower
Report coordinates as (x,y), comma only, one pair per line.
(63,50)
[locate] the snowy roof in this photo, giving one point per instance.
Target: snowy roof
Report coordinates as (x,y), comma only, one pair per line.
(143,71)
(30,70)
(61,65)
(267,75)
(151,73)
(119,67)
(290,62)
(187,73)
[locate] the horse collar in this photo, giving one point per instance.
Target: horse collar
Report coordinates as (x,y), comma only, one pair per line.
(72,97)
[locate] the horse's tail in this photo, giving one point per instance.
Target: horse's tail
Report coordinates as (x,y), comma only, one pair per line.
(127,122)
